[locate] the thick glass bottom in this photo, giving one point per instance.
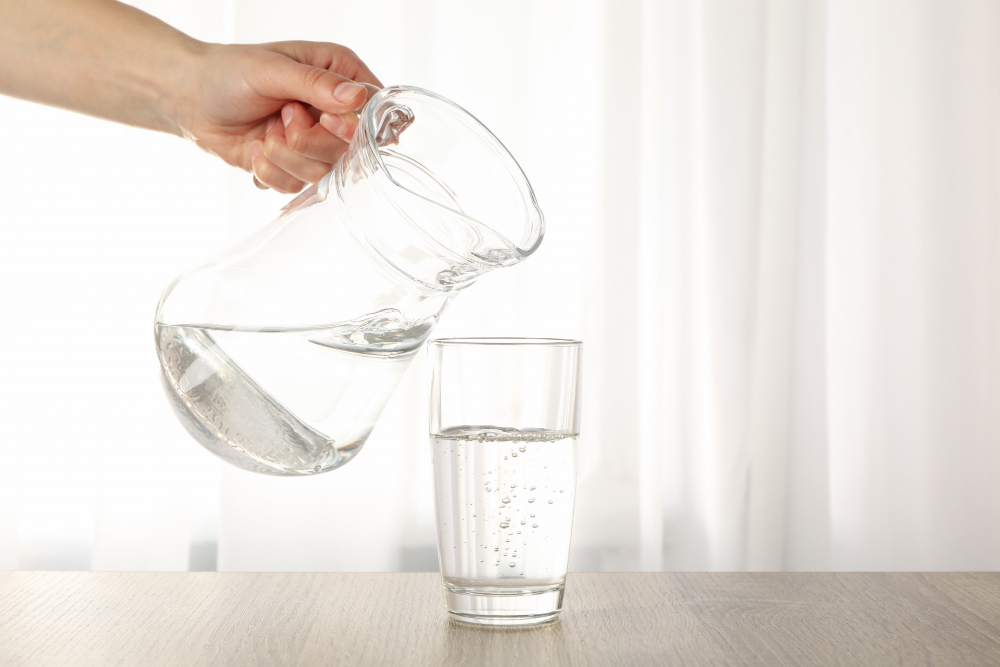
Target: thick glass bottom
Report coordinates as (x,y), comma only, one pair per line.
(491,606)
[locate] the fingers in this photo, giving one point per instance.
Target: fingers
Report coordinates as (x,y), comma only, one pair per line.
(269,175)
(325,55)
(307,138)
(322,88)
(342,126)
(300,147)
(345,62)
(297,150)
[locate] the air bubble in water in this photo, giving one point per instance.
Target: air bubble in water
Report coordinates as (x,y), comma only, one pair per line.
(523,522)
(513,486)
(561,490)
(531,489)
(504,524)
(514,454)
(531,500)
(512,564)
(521,449)
(550,502)
(496,548)
(534,525)
(532,516)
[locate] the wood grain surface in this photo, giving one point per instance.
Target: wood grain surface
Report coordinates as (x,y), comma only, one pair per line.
(207,618)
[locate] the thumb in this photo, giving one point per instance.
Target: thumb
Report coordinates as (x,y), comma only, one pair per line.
(321,88)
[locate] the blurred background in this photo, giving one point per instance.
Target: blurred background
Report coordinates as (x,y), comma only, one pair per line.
(775,225)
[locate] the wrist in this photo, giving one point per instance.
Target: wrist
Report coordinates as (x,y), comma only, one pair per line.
(179,93)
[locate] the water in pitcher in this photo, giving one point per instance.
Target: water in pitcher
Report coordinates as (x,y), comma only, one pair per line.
(286,400)
(504,507)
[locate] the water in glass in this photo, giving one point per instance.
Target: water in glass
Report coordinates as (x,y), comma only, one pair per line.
(504,508)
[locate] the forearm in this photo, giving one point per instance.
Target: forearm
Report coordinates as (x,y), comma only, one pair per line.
(97,57)
(110,60)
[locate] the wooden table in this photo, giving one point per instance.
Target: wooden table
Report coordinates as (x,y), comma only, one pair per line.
(203,618)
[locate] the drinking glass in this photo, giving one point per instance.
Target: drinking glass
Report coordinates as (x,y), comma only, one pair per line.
(504,422)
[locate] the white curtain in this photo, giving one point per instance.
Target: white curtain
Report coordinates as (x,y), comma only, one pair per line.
(775,225)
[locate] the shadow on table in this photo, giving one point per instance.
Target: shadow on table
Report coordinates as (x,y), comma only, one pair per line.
(470,644)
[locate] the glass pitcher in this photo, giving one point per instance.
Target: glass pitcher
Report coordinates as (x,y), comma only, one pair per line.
(279,354)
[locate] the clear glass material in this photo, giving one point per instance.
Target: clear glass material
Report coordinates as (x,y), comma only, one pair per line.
(279,354)
(504,420)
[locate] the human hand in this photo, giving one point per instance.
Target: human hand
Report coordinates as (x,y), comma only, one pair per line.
(282,111)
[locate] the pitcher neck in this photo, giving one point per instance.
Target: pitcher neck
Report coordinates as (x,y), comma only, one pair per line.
(364,196)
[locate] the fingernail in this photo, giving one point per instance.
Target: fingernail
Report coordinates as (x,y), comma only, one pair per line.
(333,124)
(347,91)
(270,123)
(254,150)
(286,114)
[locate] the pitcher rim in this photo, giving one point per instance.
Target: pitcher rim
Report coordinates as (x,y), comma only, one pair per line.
(524,185)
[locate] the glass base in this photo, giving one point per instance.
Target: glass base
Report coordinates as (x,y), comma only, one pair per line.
(525,607)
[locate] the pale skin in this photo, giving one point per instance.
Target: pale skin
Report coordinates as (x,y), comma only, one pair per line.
(283,111)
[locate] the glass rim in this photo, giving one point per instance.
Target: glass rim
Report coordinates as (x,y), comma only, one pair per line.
(506,341)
